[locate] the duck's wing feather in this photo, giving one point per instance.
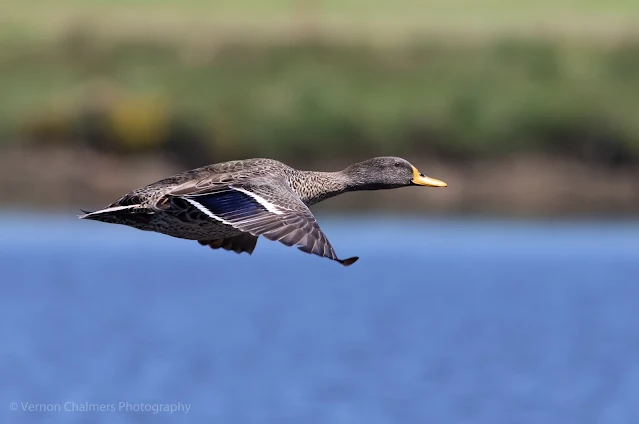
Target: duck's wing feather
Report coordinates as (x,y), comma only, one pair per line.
(245,242)
(265,208)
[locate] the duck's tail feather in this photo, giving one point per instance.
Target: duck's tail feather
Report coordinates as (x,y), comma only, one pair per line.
(93,214)
(133,215)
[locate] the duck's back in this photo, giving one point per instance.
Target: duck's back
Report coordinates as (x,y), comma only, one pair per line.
(215,174)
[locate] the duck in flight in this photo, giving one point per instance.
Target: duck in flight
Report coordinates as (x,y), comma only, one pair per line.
(229,205)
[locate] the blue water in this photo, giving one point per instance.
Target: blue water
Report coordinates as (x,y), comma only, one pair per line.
(439,322)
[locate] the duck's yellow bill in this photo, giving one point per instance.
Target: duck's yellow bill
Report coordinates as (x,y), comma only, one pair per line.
(422,180)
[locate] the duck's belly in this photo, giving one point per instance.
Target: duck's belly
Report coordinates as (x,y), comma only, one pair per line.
(193,230)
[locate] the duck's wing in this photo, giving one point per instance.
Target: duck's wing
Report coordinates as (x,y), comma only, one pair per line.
(266,208)
(245,242)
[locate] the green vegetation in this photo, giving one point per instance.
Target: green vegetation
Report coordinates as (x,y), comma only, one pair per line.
(70,72)
(377,18)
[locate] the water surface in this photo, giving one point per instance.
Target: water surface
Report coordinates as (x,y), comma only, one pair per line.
(440,321)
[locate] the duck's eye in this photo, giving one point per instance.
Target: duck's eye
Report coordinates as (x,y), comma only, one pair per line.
(397,164)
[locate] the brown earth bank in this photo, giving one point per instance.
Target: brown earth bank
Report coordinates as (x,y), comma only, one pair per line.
(50,179)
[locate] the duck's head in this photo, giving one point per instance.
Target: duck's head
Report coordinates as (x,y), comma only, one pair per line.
(388,172)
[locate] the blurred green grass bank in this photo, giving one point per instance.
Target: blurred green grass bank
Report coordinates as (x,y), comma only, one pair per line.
(487,84)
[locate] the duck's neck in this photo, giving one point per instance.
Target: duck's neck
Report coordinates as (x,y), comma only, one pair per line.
(314,186)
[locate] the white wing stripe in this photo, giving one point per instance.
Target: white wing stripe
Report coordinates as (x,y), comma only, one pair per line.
(262,201)
(206,211)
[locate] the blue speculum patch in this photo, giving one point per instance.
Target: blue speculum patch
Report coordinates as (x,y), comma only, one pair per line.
(230,204)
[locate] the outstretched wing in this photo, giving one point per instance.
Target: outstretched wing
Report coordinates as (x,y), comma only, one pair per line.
(264,208)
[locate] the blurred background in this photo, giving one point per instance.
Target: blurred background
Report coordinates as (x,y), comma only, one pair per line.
(510,296)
